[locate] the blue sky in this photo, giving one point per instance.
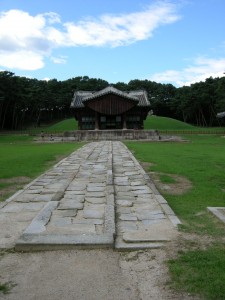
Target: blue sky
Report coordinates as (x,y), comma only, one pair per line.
(173,41)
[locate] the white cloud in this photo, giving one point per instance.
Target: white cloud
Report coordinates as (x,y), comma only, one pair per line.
(58,60)
(25,40)
(52,17)
(201,69)
(22,60)
(124,29)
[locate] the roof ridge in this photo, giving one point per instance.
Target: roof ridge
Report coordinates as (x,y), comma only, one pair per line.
(109,89)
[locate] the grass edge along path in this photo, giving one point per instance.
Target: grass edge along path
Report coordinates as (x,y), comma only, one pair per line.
(21,158)
(196,269)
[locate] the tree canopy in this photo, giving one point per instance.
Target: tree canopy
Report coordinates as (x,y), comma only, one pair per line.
(25,101)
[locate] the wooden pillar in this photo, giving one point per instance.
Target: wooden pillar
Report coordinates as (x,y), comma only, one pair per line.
(124,121)
(96,121)
(79,124)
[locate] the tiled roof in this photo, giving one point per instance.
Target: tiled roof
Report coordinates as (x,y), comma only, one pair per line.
(78,97)
(82,96)
(142,96)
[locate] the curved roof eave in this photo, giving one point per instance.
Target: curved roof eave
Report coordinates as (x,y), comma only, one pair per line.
(110,90)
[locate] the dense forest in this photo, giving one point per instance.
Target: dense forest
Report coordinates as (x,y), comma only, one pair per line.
(30,102)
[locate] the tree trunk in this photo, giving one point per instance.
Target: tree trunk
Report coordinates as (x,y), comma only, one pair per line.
(4,116)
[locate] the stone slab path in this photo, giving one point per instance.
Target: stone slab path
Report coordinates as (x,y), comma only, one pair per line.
(99,196)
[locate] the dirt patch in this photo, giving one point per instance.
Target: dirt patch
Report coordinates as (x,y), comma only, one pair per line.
(179,187)
(147,165)
(20,179)
(190,242)
(148,271)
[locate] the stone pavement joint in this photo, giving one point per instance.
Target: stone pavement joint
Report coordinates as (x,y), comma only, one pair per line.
(99,196)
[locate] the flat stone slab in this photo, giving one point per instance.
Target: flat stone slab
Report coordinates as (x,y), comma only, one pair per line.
(61,222)
(148,215)
(95,194)
(125,203)
(93,214)
(70,204)
(127,217)
(95,188)
(127,226)
(38,224)
(89,221)
(66,213)
(127,197)
(138,236)
(122,246)
(63,241)
(18,207)
(123,210)
(73,197)
(76,187)
(25,198)
(94,200)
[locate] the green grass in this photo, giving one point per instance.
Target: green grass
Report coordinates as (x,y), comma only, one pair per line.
(4,185)
(163,123)
(65,125)
(200,272)
(166,179)
(12,139)
(6,287)
(57,128)
(202,161)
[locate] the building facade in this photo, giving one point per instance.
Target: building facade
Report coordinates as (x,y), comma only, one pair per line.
(110,108)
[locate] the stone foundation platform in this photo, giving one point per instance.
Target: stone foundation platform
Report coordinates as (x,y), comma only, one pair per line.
(112,135)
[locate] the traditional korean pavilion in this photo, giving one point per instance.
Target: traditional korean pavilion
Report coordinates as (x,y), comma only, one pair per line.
(110,108)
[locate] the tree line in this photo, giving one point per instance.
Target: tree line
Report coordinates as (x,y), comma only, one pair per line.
(31,102)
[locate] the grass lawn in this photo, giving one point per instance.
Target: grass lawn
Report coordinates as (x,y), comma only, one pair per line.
(200,272)
(163,123)
(20,158)
(59,127)
(202,161)
(65,125)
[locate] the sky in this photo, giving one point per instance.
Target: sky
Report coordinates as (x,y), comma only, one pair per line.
(173,41)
